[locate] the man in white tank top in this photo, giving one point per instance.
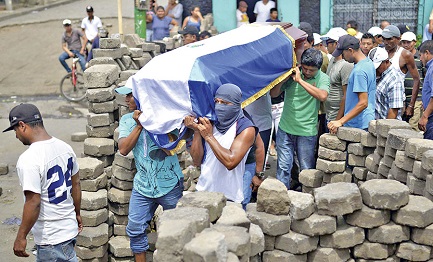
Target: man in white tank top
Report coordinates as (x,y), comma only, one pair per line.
(403,61)
(226,144)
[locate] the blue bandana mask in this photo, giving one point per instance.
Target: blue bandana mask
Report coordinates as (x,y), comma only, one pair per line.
(227,115)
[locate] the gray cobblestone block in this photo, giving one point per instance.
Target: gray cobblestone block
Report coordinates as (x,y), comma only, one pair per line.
(355,160)
(257,240)
(93,218)
(332,142)
(102,61)
(91,253)
(124,161)
(100,95)
(423,236)
(397,138)
(429,184)
(413,252)
(118,209)
(398,173)
(417,213)
(383,126)
(121,65)
(95,184)
(333,155)
(369,250)
(380,150)
(404,162)
(94,200)
(384,194)
(119,246)
(306,189)
(418,171)
(101,131)
(337,199)
(311,177)
(377,158)
(123,173)
(427,160)
(209,245)
(99,76)
(296,243)
(233,258)
(368,217)
(98,146)
(96,120)
(368,140)
(269,242)
(78,136)
(361,172)
(109,43)
(278,255)
(346,176)
(233,215)
(133,40)
(315,225)
(344,237)
(329,254)
(358,149)
(90,168)
(372,127)
(93,236)
(126,61)
(106,160)
(390,233)
(389,151)
(214,202)
(136,52)
(330,166)
(272,225)
(237,239)
(140,61)
(119,230)
(96,259)
(119,196)
(103,107)
(272,197)
(416,186)
(387,161)
(147,47)
(116,135)
(172,237)
(301,205)
(121,184)
(415,147)
(371,175)
(370,164)
(428,195)
(381,141)
(114,53)
(383,170)
(125,75)
(121,220)
(350,134)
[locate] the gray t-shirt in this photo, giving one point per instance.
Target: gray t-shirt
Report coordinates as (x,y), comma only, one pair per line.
(261,112)
(74,40)
(338,72)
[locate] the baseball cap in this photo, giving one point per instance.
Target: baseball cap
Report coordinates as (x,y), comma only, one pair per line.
(375,31)
(306,27)
(67,22)
(408,36)
(378,55)
(403,28)
(334,34)
(345,42)
(189,29)
(123,90)
(89,8)
(317,39)
(351,31)
(23,112)
(391,31)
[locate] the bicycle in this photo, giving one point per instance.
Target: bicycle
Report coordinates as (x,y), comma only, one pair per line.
(72,85)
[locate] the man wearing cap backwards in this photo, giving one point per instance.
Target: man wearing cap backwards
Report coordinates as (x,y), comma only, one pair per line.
(361,87)
(297,131)
(72,46)
(91,24)
(189,34)
(426,121)
(408,42)
(48,174)
(403,61)
(389,90)
(221,148)
(338,72)
(158,181)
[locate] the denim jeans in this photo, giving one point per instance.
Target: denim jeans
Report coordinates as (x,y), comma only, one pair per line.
(287,146)
(428,134)
(60,252)
(64,56)
(141,211)
(250,171)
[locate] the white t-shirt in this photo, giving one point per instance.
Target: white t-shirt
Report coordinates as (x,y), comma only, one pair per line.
(242,18)
(215,177)
(263,11)
(46,168)
(91,27)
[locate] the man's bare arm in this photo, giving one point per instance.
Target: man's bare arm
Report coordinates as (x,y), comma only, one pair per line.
(76,196)
(413,70)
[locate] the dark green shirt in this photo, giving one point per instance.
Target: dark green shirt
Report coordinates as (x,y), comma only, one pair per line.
(408,80)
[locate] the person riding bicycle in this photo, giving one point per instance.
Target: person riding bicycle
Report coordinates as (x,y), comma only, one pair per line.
(72,46)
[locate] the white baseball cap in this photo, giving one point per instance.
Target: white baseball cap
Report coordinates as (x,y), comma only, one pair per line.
(375,31)
(334,34)
(378,55)
(67,22)
(317,39)
(408,36)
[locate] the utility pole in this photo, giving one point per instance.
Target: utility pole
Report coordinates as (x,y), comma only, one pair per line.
(119,18)
(8,5)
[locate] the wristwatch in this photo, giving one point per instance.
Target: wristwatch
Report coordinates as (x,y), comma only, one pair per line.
(260,175)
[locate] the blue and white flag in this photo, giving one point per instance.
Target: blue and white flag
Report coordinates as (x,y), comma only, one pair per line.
(183,81)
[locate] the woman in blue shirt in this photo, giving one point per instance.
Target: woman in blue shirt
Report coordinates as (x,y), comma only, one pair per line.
(194,19)
(160,24)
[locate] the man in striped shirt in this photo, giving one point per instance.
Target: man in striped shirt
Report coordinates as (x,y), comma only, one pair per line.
(389,90)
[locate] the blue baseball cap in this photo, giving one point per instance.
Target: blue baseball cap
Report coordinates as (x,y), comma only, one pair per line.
(123,90)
